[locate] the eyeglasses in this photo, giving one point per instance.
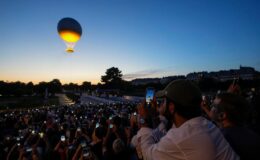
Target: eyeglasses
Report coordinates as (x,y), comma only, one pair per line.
(214,107)
(160,101)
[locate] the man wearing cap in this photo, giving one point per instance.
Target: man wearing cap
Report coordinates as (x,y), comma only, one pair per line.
(191,136)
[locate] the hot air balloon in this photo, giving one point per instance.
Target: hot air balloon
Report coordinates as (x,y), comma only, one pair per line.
(70,31)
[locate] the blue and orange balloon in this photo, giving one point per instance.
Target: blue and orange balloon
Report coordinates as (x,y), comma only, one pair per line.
(70,31)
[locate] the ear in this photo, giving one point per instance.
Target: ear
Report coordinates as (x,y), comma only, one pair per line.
(171,108)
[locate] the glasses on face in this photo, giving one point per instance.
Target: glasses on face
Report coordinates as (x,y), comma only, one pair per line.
(160,102)
(214,108)
(163,103)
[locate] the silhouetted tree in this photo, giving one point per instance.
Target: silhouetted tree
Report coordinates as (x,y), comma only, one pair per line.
(71,87)
(113,78)
(15,89)
(54,86)
(29,88)
(41,87)
(85,86)
(18,88)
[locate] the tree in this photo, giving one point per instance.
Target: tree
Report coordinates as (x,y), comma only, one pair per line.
(41,87)
(71,87)
(113,78)
(85,86)
(54,86)
(29,88)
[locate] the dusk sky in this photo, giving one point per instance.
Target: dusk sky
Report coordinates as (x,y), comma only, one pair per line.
(143,38)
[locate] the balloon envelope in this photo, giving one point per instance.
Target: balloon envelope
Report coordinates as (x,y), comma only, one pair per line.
(70,31)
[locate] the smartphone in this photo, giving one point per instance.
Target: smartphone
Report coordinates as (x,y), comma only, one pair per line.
(62,138)
(83,144)
(29,149)
(70,147)
(41,134)
(111,126)
(203,97)
(97,125)
(149,95)
(85,152)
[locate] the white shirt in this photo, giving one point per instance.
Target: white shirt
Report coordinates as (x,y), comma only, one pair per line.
(157,133)
(196,139)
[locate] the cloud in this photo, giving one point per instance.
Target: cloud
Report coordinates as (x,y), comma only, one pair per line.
(143,74)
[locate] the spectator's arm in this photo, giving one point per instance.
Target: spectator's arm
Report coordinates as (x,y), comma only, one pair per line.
(107,136)
(134,141)
(77,153)
(152,150)
(21,153)
(115,131)
(86,137)
(160,130)
(205,108)
(10,152)
(37,142)
(57,146)
(128,135)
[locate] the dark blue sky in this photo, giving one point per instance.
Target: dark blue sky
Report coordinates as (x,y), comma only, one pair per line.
(143,38)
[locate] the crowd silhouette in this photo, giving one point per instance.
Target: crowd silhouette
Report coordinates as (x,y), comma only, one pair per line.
(135,131)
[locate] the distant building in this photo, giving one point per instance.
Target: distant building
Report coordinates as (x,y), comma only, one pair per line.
(166,80)
(197,75)
(145,81)
(244,73)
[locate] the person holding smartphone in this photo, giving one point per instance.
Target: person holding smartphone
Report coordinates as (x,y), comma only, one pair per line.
(190,136)
(234,87)
(230,113)
(61,147)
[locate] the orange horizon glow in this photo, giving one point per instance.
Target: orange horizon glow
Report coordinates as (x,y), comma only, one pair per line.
(35,82)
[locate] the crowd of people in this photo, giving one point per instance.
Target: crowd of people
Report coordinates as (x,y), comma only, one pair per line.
(179,123)
(65,132)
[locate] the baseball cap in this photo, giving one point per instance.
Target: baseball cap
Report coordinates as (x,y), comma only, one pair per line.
(183,92)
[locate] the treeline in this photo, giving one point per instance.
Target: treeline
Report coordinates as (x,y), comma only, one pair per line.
(19,88)
(112,80)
